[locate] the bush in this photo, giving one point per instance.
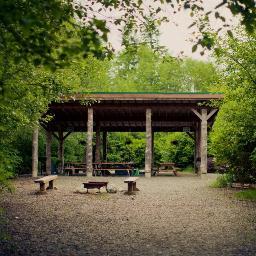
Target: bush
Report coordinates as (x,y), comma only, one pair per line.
(222,181)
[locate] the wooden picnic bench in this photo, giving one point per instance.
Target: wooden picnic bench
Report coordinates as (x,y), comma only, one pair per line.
(167,168)
(131,184)
(47,179)
(72,168)
(101,168)
(95,184)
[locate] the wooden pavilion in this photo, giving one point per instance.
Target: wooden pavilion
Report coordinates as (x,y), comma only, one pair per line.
(119,112)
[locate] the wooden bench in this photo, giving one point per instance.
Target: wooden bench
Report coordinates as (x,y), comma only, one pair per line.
(131,184)
(47,179)
(95,184)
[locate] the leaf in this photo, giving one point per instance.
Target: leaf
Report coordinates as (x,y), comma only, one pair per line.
(230,33)
(194,48)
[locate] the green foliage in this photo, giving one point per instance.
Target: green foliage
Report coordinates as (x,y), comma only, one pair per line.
(222,181)
(189,169)
(249,194)
(175,147)
(171,147)
(234,138)
(74,149)
(141,69)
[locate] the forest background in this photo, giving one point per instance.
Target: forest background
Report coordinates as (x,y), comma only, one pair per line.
(45,55)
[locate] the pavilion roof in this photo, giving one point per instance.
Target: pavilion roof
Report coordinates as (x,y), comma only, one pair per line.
(125,111)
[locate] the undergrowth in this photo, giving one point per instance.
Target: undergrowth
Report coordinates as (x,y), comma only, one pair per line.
(222,181)
(249,194)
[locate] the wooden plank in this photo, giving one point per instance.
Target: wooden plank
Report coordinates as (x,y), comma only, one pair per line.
(130,179)
(46,179)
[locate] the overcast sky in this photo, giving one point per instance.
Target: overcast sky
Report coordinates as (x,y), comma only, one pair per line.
(176,35)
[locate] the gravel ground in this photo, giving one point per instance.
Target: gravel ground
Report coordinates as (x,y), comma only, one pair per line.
(168,216)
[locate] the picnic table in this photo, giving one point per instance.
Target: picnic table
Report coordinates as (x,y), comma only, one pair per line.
(71,168)
(103,168)
(166,168)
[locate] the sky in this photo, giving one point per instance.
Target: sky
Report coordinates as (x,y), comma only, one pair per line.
(175,35)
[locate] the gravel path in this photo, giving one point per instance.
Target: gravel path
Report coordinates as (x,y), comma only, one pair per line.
(168,216)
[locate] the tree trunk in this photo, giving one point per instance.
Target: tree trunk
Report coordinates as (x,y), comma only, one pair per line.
(35,152)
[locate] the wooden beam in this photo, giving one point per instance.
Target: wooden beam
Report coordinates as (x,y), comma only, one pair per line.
(191,135)
(55,135)
(213,111)
(66,135)
(35,152)
(196,113)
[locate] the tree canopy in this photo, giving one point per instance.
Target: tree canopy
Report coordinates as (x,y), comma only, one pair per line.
(233,137)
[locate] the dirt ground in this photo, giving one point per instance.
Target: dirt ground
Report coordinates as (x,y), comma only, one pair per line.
(168,216)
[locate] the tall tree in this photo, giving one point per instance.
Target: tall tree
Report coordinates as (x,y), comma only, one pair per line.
(233,137)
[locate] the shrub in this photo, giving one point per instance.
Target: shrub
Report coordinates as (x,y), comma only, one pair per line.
(222,181)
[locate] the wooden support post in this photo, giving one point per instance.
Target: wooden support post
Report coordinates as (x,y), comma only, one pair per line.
(152,150)
(61,152)
(48,152)
(89,150)
(97,150)
(148,151)
(104,142)
(203,137)
(203,148)
(197,149)
(35,153)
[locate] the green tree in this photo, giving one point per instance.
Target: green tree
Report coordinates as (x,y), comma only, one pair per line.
(145,70)
(233,137)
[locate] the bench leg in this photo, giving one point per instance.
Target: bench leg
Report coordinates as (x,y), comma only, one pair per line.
(134,188)
(50,184)
(130,187)
(42,186)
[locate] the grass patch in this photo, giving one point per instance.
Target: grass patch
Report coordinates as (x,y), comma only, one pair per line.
(249,194)
(222,181)
(188,169)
